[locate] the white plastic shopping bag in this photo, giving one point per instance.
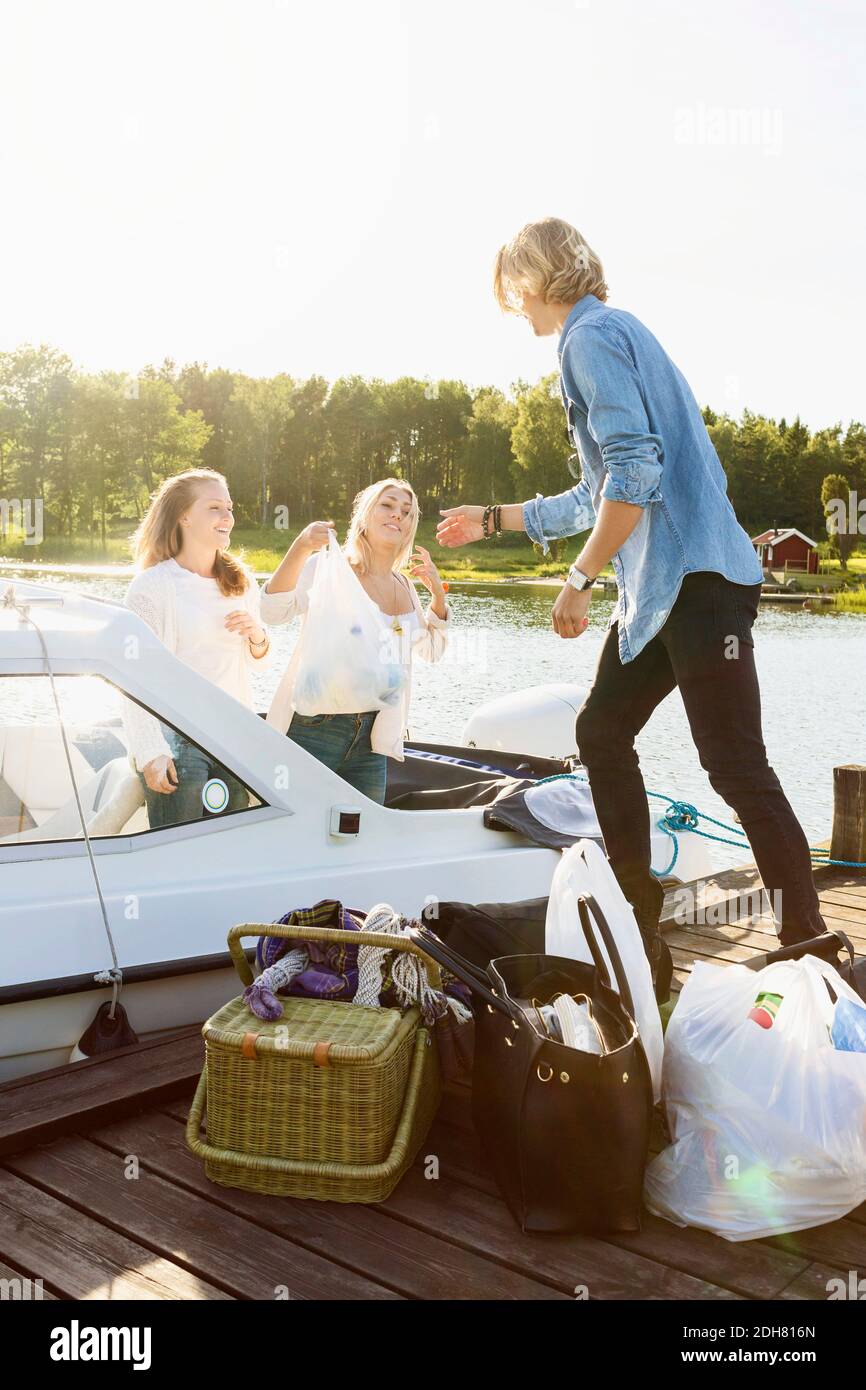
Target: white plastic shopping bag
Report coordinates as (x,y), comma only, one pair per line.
(348,661)
(583,870)
(768,1119)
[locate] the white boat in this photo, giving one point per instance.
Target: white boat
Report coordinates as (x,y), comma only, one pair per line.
(172,893)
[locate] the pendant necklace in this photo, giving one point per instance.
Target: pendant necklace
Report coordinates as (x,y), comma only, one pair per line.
(396,624)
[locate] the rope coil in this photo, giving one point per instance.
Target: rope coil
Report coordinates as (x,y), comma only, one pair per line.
(682,816)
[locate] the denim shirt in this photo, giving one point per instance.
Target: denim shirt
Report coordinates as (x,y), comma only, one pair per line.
(642,439)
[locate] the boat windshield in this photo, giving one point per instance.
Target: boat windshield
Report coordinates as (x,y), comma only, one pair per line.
(37,796)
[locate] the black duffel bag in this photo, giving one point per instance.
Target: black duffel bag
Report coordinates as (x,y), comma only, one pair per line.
(567,1132)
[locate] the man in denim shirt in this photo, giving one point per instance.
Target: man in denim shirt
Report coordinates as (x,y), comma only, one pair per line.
(653,491)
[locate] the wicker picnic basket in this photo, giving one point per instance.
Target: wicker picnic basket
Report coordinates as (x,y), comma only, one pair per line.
(330,1102)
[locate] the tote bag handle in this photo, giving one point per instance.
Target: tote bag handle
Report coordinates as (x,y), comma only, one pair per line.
(464,970)
(590,913)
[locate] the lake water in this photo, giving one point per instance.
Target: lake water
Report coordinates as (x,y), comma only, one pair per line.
(812,668)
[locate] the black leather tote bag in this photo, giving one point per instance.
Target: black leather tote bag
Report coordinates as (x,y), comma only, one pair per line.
(567,1132)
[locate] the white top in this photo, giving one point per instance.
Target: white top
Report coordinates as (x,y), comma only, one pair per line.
(203,640)
(187,612)
(424,635)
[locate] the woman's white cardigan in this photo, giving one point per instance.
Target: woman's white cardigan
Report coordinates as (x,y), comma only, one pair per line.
(153,596)
(389,726)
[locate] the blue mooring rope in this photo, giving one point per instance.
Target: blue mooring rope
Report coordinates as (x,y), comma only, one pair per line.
(682,815)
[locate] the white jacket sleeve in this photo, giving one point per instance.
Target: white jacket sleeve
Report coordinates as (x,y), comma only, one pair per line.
(431,639)
(282,608)
(144,736)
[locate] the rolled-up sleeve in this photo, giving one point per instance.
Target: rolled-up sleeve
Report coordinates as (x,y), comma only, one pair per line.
(431,638)
(253,604)
(551,518)
(598,366)
(286,605)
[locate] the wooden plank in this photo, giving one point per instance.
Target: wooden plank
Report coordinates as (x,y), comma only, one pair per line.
(77,1068)
(7,1274)
(175,1224)
(482,1223)
(841,1243)
(750,1269)
(727,882)
(715,949)
(853,889)
(80,1256)
(814,1283)
(846,897)
(37,1109)
(416,1263)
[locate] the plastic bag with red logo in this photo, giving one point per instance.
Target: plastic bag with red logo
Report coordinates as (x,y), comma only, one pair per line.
(767,1117)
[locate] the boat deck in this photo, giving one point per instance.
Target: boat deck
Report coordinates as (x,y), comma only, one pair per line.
(101,1199)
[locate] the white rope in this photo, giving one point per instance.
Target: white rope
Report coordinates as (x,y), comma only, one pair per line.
(408,972)
(280,975)
(371,959)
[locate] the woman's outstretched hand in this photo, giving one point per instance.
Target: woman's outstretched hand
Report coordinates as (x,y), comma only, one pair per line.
(460,526)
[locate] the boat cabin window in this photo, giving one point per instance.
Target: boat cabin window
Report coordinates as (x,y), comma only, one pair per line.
(37,797)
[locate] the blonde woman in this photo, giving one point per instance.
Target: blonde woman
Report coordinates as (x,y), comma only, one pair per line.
(203,604)
(380,541)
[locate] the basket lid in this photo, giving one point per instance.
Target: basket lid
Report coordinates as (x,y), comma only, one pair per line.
(355,1034)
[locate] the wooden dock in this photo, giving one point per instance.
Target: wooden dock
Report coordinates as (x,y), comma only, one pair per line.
(101,1199)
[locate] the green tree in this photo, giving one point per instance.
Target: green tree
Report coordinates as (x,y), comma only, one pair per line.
(539,440)
(486,460)
(257,415)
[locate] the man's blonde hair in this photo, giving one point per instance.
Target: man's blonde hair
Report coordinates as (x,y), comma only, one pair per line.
(357,546)
(549,258)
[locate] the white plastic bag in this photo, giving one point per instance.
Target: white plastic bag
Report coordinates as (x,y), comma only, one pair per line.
(583,870)
(348,661)
(768,1123)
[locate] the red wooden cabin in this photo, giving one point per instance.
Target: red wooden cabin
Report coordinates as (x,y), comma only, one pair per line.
(777,548)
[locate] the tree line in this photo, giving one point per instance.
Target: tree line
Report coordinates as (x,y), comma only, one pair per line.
(93,447)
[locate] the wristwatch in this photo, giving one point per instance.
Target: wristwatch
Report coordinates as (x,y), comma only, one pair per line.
(578,580)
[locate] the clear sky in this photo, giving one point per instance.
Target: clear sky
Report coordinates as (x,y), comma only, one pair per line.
(276,186)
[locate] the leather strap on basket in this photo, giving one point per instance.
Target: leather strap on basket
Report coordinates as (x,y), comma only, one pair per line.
(320,1054)
(248,1046)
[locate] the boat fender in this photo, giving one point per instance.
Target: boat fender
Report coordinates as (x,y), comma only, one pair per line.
(105,1034)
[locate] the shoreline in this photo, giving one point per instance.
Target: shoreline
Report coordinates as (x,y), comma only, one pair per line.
(73,571)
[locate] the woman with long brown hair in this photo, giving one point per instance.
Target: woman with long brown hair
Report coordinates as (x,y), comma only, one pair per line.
(203,604)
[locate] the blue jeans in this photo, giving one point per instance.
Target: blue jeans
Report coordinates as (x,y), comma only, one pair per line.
(342,743)
(185,804)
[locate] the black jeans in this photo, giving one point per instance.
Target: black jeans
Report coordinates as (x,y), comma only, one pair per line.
(706,648)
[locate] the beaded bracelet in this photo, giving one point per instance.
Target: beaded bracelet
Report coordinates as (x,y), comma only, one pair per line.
(485,534)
